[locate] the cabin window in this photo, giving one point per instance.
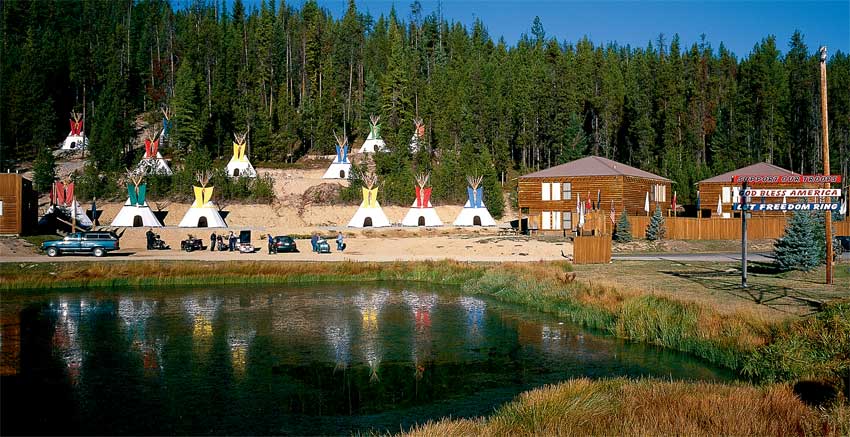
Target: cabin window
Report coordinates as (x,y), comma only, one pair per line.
(726,195)
(567,217)
(545,219)
(659,193)
(544,190)
(1,207)
(567,190)
(556,220)
(556,191)
(736,195)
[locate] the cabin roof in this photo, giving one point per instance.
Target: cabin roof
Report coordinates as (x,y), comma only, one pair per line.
(593,166)
(761,168)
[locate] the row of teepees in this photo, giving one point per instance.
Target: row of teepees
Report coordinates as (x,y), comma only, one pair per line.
(340,167)
(421,213)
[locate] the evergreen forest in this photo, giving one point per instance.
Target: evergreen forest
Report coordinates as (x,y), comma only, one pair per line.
(291,76)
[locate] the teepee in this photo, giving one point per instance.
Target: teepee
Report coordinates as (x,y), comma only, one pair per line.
(416,141)
(373,142)
(239,164)
(166,123)
(76,138)
(136,212)
(370,213)
(153,162)
(63,203)
(422,213)
(203,213)
(474,213)
(341,166)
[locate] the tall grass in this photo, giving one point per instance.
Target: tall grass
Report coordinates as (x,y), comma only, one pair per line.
(649,407)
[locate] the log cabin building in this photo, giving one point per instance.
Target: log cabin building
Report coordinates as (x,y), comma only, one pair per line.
(18,205)
(720,188)
(549,198)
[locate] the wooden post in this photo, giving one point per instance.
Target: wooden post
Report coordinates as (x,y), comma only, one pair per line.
(825,131)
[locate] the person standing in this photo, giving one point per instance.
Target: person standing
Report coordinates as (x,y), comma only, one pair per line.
(149,238)
(231,241)
(212,242)
(314,240)
(340,246)
(271,244)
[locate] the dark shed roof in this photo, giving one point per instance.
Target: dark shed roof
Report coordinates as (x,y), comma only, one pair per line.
(762,168)
(592,166)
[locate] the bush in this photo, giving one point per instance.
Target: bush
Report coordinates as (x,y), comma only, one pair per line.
(92,184)
(656,230)
(803,245)
(623,231)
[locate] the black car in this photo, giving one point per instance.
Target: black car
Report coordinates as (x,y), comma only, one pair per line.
(843,242)
(284,244)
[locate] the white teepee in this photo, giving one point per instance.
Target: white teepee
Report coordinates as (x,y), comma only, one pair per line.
(422,213)
(370,213)
(136,212)
(152,162)
(418,135)
(373,142)
(340,168)
(239,164)
(474,213)
(203,213)
(76,138)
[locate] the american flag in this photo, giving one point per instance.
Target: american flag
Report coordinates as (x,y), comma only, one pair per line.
(612,212)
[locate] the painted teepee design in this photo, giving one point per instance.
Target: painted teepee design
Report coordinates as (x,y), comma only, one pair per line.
(474,213)
(136,212)
(76,138)
(418,138)
(370,213)
(340,168)
(422,213)
(203,213)
(63,202)
(239,165)
(373,142)
(152,162)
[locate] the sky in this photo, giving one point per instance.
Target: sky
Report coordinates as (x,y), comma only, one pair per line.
(739,25)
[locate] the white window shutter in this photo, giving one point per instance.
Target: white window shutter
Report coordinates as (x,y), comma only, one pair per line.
(556,191)
(545,189)
(546,224)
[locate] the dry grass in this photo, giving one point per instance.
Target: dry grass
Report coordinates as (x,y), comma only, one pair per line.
(649,407)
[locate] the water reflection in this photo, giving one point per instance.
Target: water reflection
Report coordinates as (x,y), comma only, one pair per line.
(298,361)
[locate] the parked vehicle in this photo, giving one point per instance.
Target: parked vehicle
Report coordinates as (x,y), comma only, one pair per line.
(842,243)
(284,243)
(159,244)
(323,246)
(96,243)
(244,245)
(190,244)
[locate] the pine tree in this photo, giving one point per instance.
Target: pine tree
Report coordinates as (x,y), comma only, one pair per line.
(656,229)
(44,170)
(800,248)
(623,231)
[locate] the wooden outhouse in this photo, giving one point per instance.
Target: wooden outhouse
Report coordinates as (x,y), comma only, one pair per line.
(18,205)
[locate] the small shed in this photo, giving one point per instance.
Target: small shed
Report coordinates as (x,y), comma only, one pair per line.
(549,198)
(721,189)
(18,205)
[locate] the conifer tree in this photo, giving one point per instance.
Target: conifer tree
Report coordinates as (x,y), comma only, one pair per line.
(656,229)
(43,170)
(800,248)
(623,231)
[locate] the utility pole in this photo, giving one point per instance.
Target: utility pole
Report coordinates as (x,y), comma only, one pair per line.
(743,203)
(825,130)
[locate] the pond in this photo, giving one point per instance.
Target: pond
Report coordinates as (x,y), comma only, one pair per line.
(329,359)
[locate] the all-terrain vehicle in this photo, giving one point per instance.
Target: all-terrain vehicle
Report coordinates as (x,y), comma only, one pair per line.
(191,244)
(244,244)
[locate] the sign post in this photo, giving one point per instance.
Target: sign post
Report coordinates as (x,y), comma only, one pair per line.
(744,235)
(825,131)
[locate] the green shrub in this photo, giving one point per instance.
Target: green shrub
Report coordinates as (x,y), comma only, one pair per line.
(623,231)
(656,229)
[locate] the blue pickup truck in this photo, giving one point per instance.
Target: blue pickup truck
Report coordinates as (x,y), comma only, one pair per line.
(97,243)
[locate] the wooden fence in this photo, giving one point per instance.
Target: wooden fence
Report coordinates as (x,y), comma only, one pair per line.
(689,228)
(592,250)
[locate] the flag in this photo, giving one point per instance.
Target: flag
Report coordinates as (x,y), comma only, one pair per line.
(673,202)
(578,203)
(588,204)
(719,206)
(698,201)
(581,217)
(646,204)
(612,212)
(598,199)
